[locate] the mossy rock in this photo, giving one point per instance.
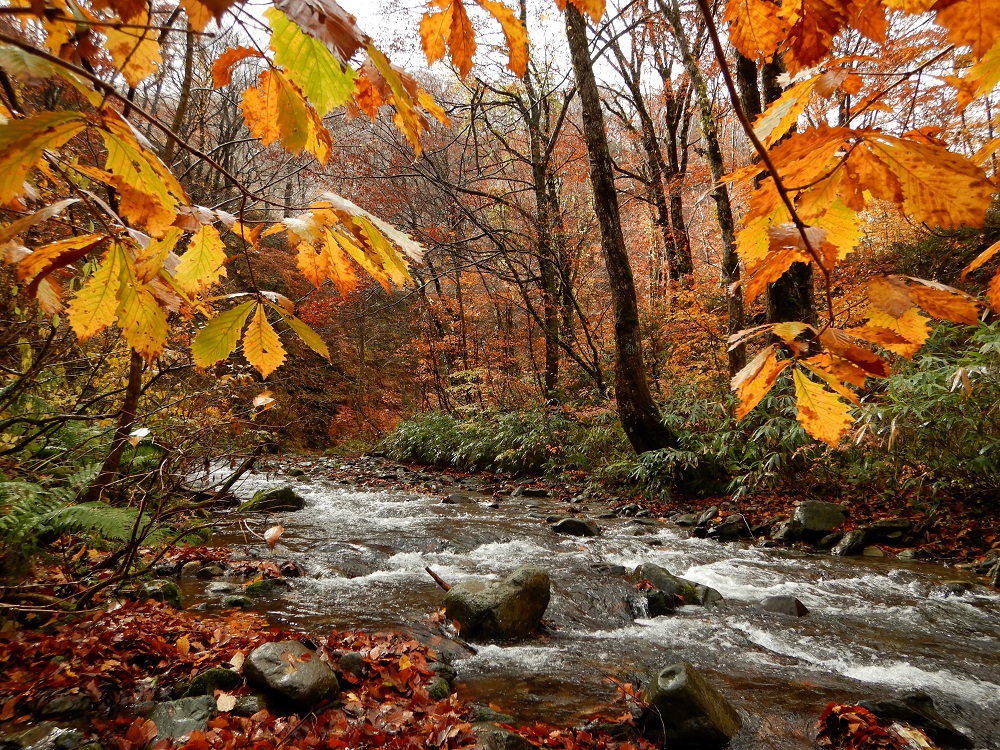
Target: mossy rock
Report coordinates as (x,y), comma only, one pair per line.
(281,499)
(235,601)
(267,587)
(162,591)
(439,689)
(207,682)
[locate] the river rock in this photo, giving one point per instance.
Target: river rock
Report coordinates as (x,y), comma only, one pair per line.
(687,712)
(492,737)
(731,528)
(677,589)
(292,671)
(786,531)
(505,610)
(162,591)
(67,706)
(43,736)
(577,527)
(852,544)
(705,518)
(784,605)
(267,587)
(352,663)
(282,498)
(918,709)
(177,719)
(217,678)
(211,571)
(872,551)
(685,519)
(889,530)
(993,577)
(438,688)
(818,518)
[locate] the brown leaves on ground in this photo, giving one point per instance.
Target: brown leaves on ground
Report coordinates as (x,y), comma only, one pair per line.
(145,652)
(856,728)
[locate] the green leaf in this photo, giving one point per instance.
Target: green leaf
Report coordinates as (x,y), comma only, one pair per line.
(309,64)
(218,338)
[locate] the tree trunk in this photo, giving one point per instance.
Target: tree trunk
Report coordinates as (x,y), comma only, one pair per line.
(639,415)
(723,207)
(109,470)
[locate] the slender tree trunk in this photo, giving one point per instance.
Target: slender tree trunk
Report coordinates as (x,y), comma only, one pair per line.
(185,97)
(109,470)
(713,151)
(639,414)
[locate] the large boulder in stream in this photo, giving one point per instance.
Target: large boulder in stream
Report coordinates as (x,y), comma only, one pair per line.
(685,711)
(664,591)
(282,498)
(504,610)
(292,672)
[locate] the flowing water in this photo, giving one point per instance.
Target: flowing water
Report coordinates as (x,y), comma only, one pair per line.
(875,628)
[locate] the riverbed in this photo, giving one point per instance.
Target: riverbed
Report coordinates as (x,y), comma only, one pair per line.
(876,628)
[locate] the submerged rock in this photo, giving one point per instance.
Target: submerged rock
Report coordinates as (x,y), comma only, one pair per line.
(292,671)
(177,719)
(506,610)
(918,709)
(784,605)
(267,587)
(282,498)
(687,712)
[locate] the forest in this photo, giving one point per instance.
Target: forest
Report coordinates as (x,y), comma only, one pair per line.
(394,352)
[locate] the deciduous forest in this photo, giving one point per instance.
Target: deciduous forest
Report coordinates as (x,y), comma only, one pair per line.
(367,368)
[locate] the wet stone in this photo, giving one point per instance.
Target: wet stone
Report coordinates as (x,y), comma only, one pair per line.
(784,605)
(352,663)
(67,706)
(207,682)
(291,671)
(818,518)
(177,719)
(706,517)
(211,571)
(439,689)
(873,551)
(482,713)
(504,610)
(688,712)
(852,544)
(576,527)
(220,587)
(162,591)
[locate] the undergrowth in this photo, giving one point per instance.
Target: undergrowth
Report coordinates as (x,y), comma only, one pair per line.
(927,432)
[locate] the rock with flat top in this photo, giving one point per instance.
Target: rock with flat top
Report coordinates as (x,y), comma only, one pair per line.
(291,671)
(686,711)
(504,610)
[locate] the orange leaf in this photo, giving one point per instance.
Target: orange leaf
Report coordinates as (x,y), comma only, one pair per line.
(273,534)
(820,412)
(222,68)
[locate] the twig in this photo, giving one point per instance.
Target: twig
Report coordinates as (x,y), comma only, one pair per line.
(437,579)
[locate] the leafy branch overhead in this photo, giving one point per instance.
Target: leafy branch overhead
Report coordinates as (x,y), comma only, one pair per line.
(155,257)
(814,182)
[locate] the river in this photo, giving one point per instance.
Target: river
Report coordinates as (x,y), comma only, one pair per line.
(876,628)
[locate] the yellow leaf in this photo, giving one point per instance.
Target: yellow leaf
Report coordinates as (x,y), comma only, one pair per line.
(890,294)
(790,331)
(842,232)
(135,51)
(592,8)
(148,192)
(202,263)
(309,64)
(141,318)
(339,269)
(822,413)
(183,645)
(971,23)
(150,260)
(94,307)
(390,260)
(275,109)
(406,119)
(981,259)
(222,68)
(309,337)
(755,27)
(986,73)
(225,702)
(261,345)
(218,338)
(818,366)
(404,662)
(22,143)
(755,380)
(912,326)
(993,292)
(514,32)
(362,259)
(44,260)
(944,302)
(940,188)
(784,112)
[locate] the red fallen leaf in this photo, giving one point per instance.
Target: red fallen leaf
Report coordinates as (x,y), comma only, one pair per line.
(140,732)
(8,708)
